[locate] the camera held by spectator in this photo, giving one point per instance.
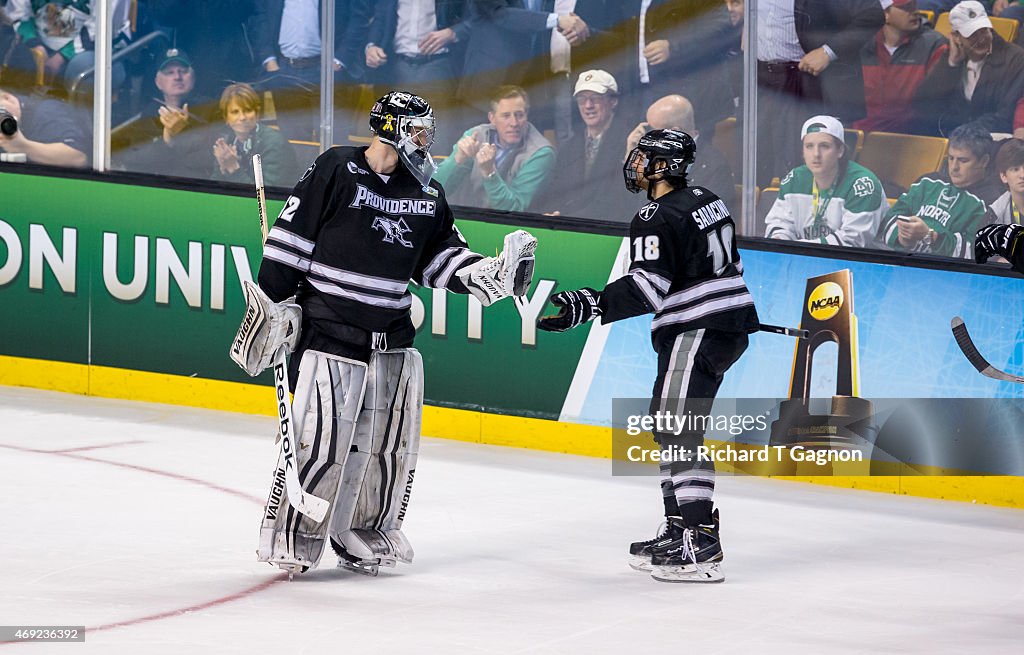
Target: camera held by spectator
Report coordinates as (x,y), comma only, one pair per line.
(8,123)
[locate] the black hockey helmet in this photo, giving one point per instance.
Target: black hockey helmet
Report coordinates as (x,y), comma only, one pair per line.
(406,122)
(674,147)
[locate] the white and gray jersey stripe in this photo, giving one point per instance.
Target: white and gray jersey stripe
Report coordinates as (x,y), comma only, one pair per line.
(695,302)
(438,273)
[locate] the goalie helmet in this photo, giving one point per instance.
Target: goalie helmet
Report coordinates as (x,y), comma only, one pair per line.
(406,122)
(675,148)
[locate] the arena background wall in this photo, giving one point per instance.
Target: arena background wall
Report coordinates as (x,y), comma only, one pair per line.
(127,291)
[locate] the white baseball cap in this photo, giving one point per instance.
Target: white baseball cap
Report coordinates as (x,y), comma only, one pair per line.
(968,17)
(598,81)
(826,124)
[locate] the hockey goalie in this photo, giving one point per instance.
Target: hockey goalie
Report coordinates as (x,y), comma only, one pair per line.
(333,289)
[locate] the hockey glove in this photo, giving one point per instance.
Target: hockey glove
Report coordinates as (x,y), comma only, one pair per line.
(998,239)
(575,309)
(265,328)
(509,274)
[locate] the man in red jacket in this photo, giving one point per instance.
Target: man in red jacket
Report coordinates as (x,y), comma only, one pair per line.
(895,63)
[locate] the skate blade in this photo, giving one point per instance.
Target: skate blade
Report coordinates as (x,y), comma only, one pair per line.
(640,563)
(291,569)
(703,573)
(370,570)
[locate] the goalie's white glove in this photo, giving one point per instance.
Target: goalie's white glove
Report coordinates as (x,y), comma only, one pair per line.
(265,327)
(508,274)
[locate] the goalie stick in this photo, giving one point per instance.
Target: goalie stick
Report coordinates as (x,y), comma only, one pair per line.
(306,503)
(963,339)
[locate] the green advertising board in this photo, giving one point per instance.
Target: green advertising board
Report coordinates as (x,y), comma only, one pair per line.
(149,279)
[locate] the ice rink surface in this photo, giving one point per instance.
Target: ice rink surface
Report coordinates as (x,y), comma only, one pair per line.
(140,522)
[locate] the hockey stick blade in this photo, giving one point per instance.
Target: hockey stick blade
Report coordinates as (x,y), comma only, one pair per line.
(963,339)
(305,503)
(787,331)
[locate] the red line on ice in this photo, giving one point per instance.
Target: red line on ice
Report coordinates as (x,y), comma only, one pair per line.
(97,447)
(174,476)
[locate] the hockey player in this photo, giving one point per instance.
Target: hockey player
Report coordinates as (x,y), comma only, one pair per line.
(685,270)
(359,225)
(1007,241)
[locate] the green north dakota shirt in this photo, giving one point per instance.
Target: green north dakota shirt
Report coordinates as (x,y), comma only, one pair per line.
(953,213)
(848,214)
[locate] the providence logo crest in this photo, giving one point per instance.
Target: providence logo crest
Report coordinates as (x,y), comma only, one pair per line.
(392,229)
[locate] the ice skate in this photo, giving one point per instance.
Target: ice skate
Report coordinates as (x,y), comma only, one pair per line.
(695,557)
(363,566)
(640,551)
(289,564)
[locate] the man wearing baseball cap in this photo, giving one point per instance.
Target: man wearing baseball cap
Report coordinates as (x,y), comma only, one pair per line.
(895,64)
(980,81)
(829,200)
(163,138)
(579,186)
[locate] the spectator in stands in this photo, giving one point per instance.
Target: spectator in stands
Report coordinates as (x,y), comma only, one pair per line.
(1012,9)
(233,151)
(213,33)
(164,138)
(502,163)
(510,42)
(7,43)
(1018,119)
(48,131)
(1010,165)
(808,63)
(711,170)
(895,64)
(735,9)
(940,212)
(579,184)
(419,47)
(980,81)
(969,163)
(678,47)
(829,199)
(286,39)
(57,32)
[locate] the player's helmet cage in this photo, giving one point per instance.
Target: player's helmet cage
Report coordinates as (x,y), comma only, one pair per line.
(674,147)
(406,122)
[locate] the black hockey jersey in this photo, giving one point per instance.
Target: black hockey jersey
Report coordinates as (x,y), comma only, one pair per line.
(348,243)
(685,267)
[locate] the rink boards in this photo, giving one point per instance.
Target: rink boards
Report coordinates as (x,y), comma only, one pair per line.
(134,292)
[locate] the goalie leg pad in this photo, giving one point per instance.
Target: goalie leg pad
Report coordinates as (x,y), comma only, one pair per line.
(266,327)
(326,408)
(379,472)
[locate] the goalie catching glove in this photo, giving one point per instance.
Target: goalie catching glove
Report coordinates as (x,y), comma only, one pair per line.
(509,274)
(575,309)
(266,327)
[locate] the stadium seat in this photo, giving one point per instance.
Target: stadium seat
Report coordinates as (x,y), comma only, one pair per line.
(854,142)
(764,203)
(928,15)
(1004,27)
(725,139)
(902,158)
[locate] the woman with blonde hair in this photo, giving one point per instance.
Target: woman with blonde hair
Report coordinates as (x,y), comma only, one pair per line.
(234,149)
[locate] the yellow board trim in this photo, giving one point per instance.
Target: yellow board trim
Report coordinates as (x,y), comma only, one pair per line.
(457,424)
